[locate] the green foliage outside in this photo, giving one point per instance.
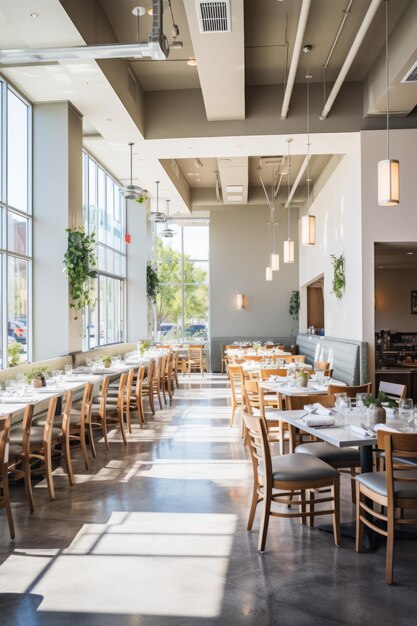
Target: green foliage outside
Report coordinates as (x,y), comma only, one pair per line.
(169,297)
(14,351)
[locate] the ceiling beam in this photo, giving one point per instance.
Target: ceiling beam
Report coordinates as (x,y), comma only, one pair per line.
(297,180)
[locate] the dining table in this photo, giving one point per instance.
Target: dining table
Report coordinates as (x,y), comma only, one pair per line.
(287,387)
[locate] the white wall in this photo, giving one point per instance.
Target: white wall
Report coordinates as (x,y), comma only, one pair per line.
(337,208)
(238,255)
(137,255)
(384,224)
(393,299)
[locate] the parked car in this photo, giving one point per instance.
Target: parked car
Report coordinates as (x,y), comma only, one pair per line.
(164,329)
(196,330)
(17,331)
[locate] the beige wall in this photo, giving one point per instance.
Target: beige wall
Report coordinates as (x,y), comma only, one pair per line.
(393,299)
(238,254)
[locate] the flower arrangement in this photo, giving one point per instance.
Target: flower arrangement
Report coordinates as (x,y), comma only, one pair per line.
(106,360)
(36,372)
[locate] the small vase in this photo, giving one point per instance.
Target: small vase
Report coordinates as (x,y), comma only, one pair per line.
(302,382)
(376,415)
(106,364)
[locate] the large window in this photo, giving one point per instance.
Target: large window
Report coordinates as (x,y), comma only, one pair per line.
(104,214)
(182,306)
(15,226)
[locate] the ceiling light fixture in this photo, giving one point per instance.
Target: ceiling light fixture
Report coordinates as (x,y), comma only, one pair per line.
(410,252)
(388,169)
(131,192)
(268,269)
(168,231)
(35,15)
(157,216)
(308,221)
(289,252)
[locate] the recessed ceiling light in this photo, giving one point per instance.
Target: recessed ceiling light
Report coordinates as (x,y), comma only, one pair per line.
(410,252)
(85,82)
(35,15)
(109,119)
(234,189)
(138,11)
(192,62)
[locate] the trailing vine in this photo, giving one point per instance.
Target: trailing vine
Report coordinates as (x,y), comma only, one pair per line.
(338,284)
(294,307)
(152,282)
(80,267)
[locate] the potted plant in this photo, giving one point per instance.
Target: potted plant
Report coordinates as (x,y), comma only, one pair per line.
(14,351)
(143,346)
(302,378)
(106,360)
(36,376)
(376,405)
(256,347)
(80,266)
(339,280)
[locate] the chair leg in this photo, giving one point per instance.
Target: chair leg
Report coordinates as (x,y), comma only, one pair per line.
(336,507)
(303,517)
(311,509)
(91,440)
(84,446)
(122,427)
(163,391)
(48,470)
(264,520)
(158,393)
(68,462)
(390,546)
(352,484)
(232,417)
(6,498)
(28,482)
(253,506)
(359,523)
(129,426)
(151,402)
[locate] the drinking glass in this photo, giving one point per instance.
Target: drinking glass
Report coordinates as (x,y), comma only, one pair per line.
(343,407)
(360,402)
(320,376)
(68,369)
(406,413)
(88,361)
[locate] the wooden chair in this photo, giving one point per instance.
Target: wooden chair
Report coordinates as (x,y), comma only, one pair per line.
(340,458)
(175,365)
(104,412)
(321,365)
(266,373)
(292,476)
(254,403)
(350,390)
(136,401)
(61,432)
(195,358)
(37,445)
(19,462)
(167,377)
(237,379)
(4,477)
(394,391)
(148,385)
(157,379)
(113,397)
(394,489)
(296,358)
(253,357)
(223,364)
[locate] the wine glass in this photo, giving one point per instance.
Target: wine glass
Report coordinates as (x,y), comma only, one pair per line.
(360,402)
(343,407)
(68,369)
(406,413)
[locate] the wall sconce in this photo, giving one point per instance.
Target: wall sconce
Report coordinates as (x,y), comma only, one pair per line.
(239,301)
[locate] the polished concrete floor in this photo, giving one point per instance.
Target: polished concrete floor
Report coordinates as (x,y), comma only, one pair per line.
(155,535)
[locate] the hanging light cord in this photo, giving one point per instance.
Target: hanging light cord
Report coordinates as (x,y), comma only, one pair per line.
(289,184)
(308,76)
(131,164)
(387,71)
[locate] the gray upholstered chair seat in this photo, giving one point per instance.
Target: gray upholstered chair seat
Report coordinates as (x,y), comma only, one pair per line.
(36,435)
(15,450)
(340,457)
(377,482)
(299,467)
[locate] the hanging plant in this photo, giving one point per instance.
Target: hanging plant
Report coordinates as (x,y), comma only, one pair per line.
(294,308)
(142,197)
(152,282)
(338,263)
(80,266)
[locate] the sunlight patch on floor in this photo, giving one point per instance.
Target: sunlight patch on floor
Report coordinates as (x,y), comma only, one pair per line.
(137,563)
(192,469)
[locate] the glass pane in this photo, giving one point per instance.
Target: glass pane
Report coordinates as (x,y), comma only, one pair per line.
(17,233)
(196,242)
(169,312)
(173,243)
(111,310)
(118,218)
(169,262)
(109,212)
(17,152)
(101,258)
(92,196)
(101,232)
(196,312)
(17,294)
(196,271)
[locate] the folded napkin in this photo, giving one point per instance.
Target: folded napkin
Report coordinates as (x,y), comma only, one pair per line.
(105,370)
(17,400)
(79,379)
(49,390)
(360,431)
(318,409)
(318,420)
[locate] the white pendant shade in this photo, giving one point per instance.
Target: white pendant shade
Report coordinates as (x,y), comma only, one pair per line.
(289,251)
(388,182)
(275,262)
(308,230)
(268,273)
(239,301)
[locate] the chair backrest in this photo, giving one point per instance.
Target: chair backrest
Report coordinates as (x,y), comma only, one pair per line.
(296,358)
(266,373)
(27,424)
(253,357)
(129,384)
(68,405)
(151,371)
(398,446)
(49,422)
(236,377)
(103,397)
(394,391)
(321,365)
(195,352)
(139,380)
(4,439)
(351,390)
(259,447)
(160,365)
(297,403)
(121,391)
(253,397)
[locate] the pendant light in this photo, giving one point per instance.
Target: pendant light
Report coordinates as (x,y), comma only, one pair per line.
(388,169)
(131,192)
(268,269)
(157,216)
(308,221)
(274,254)
(168,231)
(289,252)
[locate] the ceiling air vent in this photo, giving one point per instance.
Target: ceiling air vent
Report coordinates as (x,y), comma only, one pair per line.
(411,76)
(214,16)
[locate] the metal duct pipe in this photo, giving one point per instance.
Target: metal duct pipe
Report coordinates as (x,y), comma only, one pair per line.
(302,23)
(346,13)
(360,36)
